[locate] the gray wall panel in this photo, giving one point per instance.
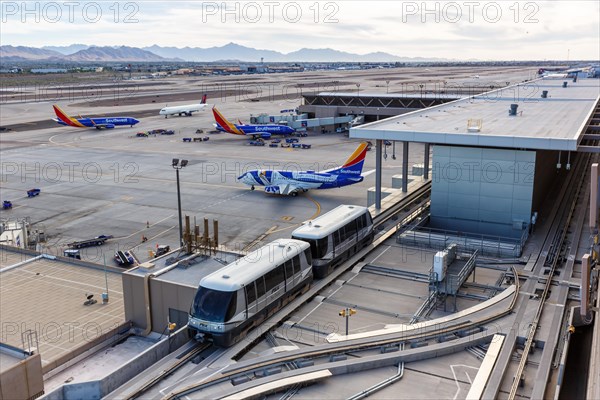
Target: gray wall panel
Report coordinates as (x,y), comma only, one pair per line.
(481,190)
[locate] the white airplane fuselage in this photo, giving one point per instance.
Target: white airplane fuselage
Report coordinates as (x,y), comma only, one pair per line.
(187,109)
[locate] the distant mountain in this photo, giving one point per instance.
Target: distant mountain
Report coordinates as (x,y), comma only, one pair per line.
(20,53)
(123,53)
(66,50)
(233,51)
(320,55)
(229,52)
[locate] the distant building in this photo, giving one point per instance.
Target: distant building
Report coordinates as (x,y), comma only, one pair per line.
(183,71)
(48,70)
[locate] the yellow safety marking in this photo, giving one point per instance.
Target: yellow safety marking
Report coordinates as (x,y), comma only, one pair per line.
(316,214)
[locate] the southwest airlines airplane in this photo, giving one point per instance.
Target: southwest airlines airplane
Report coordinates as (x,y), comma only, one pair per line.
(262,131)
(186,110)
(293,182)
(98,123)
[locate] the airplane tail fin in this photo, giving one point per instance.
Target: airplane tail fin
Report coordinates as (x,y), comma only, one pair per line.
(226,125)
(354,163)
(65,118)
(204,99)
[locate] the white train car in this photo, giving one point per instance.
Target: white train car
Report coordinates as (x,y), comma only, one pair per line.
(335,236)
(239,296)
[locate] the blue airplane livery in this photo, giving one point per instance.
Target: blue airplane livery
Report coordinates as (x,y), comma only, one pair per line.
(293,182)
(262,131)
(98,123)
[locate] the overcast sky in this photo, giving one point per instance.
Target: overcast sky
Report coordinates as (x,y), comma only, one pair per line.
(486,30)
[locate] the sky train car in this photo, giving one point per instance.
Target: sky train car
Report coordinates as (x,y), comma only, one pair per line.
(335,236)
(239,296)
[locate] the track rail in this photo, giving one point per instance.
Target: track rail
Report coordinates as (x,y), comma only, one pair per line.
(416,196)
(551,262)
(180,362)
(350,346)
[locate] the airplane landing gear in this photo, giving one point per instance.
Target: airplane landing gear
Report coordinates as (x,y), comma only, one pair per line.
(252,187)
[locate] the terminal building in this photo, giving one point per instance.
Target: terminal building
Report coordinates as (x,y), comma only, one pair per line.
(496,154)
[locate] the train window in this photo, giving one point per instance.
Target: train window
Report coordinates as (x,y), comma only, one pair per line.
(214,305)
(336,238)
(360,222)
(308,256)
(274,277)
(231,307)
(318,247)
(296,263)
(250,294)
(289,269)
(341,234)
(350,229)
(260,287)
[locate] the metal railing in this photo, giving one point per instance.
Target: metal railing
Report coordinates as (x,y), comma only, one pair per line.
(486,245)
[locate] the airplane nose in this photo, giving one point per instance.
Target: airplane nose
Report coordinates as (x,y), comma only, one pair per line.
(135,121)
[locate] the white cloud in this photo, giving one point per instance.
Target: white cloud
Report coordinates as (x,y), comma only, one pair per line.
(451,29)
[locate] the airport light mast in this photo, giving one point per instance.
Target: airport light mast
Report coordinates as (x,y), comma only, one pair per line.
(177,165)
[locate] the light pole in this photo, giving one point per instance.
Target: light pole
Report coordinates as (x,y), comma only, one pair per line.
(177,165)
(346,313)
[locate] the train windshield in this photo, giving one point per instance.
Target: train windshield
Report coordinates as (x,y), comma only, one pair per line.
(318,247)
(214,305)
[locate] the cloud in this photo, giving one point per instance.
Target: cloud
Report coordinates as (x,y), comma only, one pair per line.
(522,29)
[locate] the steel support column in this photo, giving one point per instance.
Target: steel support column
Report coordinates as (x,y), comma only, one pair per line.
(426,161)
(378,146)
(405,167)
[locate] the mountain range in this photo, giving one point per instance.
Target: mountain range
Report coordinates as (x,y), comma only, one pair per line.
(88,54)
(228,52)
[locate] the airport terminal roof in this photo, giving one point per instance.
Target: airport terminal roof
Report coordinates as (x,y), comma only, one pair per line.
(409,92)
(189,271)
(46,294)
(553,123)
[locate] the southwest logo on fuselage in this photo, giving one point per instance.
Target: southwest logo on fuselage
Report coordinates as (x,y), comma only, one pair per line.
(98,123)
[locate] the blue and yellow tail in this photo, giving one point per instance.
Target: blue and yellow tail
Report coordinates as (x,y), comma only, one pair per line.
(354,163)
(225,124)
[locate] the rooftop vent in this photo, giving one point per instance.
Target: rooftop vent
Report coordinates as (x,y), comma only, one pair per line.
(474,125)
(513,109)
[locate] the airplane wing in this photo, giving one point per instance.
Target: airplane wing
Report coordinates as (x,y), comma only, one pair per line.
(365,174)
(101,126)
(284,190)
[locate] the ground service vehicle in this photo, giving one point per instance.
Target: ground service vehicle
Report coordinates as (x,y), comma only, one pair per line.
(72,253)
(335,236)
(162,249)
(124,258)
(97,241)
(238,297)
